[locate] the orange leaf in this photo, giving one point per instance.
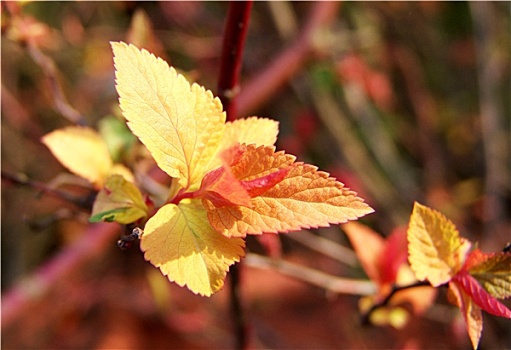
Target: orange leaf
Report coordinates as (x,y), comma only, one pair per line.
(305,198)
(436,250)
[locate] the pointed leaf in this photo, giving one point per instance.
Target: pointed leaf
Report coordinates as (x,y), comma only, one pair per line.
(436,250)
(82,151)
(470,311)
(481,297)
(492,271)
(120,201)
(181,125)
(180,241)
(305,198)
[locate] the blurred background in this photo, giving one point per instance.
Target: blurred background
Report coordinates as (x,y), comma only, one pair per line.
(401,101)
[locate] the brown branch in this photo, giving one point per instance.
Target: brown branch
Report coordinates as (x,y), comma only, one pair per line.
(20,298)
(282,68)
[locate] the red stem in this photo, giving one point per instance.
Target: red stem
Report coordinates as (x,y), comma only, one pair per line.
(235,34)
(282,68)
(232,52)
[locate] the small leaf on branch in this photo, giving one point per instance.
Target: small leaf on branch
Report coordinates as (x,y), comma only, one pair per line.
(436,250)
(120,201)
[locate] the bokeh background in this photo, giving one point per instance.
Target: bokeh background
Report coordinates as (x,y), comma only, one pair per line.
(401,101)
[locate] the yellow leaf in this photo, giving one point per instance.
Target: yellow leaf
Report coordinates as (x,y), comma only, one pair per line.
(436,251)
(82,151)
(180,241)
(253,130)
(181,125)
(305,198)
(120,201)
(471,313)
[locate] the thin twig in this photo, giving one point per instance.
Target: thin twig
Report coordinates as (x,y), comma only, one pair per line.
(235,32)
(320,279)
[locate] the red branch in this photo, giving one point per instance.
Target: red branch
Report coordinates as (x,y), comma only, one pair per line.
(264,85)
(235,34)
